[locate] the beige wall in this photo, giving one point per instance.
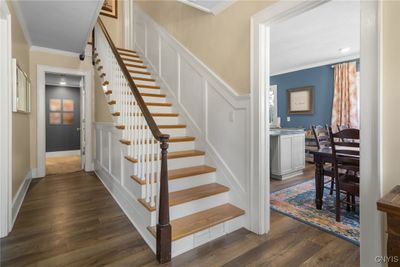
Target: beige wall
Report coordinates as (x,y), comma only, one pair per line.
(391,94)
(115,26)
(222,42)
(20,121)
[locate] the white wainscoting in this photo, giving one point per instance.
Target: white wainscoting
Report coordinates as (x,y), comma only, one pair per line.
(112,169)
(214,113)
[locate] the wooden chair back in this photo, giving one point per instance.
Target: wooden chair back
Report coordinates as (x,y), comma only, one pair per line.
(321,136)
(345,145)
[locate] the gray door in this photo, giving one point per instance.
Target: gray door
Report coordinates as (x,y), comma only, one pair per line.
(62,118)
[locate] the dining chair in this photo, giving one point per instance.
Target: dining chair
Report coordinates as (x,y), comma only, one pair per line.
(346,155)
(322,139)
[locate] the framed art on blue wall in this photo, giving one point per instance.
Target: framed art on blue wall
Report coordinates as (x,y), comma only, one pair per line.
(301,100)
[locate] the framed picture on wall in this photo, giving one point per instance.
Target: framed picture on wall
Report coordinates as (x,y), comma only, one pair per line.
(300,100)
(110,8)
(21,93)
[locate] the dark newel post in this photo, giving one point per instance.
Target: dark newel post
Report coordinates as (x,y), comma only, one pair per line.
(163,226)
(93,46)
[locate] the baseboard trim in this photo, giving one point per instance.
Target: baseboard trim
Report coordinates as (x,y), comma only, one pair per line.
(65,153)
(19,197)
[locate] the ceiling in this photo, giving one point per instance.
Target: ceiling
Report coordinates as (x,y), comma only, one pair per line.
(58,24)
(70,80)
(315,37)
(210,6)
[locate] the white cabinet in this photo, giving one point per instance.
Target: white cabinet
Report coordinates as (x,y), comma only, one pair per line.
(287,154)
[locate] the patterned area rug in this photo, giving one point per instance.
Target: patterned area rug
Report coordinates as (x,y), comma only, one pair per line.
(298,202)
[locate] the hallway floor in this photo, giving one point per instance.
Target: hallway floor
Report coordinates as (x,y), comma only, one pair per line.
(62,165)
(72,220)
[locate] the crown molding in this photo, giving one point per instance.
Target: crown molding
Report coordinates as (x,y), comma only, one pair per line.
(317,64)
(34,48)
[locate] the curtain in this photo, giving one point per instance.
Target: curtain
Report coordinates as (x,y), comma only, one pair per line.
(345,98)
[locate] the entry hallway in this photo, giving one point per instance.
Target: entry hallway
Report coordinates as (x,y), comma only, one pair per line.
(72,220)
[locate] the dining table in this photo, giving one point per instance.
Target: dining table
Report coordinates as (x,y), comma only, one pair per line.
(321,157)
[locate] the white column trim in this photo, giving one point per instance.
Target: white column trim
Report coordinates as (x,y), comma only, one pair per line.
(6,121)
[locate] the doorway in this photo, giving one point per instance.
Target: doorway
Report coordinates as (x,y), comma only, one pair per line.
(371,221)
(64,129)
(63,123)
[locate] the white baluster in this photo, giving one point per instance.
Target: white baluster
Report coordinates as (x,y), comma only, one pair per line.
(152,171)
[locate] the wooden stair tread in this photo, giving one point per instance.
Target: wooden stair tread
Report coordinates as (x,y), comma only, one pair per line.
(166,126)
(139,72)
(147,86)
(176,139)
(127,50)
(128,54)
(143,79)
(164,114)
(158,104)
(177,155)
(135,66)
(181,173)
(154,114)
(187,195)
(171,126)
(131,59)
(202,220)
(153,95)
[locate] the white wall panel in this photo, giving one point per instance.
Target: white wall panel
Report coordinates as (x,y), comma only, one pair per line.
(153,47)
(140,32)
(169,66)
(192,94)
(227,133)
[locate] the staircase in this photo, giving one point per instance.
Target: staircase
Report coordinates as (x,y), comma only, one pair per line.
(199,208)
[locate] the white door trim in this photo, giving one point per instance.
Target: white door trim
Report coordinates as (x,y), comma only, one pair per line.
(41,116)
(371,220)
(6,121)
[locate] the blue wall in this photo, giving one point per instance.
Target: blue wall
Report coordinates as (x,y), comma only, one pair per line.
(322,80)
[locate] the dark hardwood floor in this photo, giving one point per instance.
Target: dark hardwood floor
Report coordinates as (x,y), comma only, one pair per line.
(71,220)
(308,174)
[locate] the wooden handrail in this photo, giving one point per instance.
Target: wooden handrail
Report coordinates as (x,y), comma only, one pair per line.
(164,237)
(139,99)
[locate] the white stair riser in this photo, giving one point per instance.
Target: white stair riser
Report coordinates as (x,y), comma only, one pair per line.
(191,181)
(194,206)
(174,185)
(147,76)
(150,91)
(137,82)
(197,239)
(154,99)
(152,109)
(136,69)
(166,120)
(174,163)
(131,62)
(158,120)
(177,146)
(172,132)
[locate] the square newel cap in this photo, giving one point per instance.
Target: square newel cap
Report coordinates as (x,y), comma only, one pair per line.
(390,203)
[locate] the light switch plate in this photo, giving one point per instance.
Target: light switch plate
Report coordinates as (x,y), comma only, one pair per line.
(288,118)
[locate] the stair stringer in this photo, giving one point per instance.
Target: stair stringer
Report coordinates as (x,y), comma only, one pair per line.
(117,185)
